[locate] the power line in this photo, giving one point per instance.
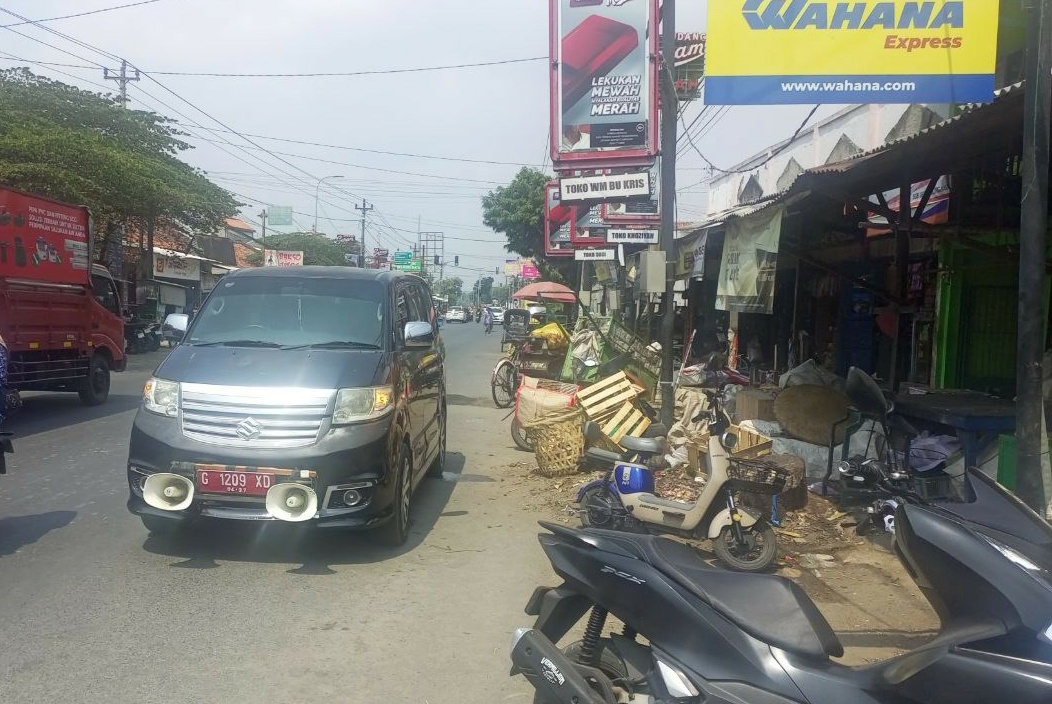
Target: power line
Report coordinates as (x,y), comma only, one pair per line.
(376,72)
(770,156)
(12,57)
(81,14)
(375,151)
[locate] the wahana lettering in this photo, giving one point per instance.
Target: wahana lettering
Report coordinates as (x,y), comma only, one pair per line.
(808,14)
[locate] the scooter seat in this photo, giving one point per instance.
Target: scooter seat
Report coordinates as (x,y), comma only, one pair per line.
(646,445)
(772,609)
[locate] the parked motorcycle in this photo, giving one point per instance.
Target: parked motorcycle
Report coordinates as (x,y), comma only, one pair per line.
(718,637)
(624,499)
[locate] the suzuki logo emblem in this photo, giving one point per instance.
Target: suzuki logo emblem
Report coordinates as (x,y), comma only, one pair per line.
(249,429)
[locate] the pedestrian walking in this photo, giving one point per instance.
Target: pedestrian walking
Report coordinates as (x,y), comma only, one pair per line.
(487,320)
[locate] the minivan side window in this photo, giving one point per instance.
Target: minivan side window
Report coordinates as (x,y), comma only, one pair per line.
(421,304)
(402,311)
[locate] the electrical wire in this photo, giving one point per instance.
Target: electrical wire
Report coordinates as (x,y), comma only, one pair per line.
(81,14)
(772,155)
(376,72)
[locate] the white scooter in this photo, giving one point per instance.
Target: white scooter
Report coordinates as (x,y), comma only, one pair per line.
(625,499)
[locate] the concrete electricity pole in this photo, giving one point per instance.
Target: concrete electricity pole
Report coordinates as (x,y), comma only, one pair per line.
(123,79)
(263,219)
(669,103)
(365,208)
(1031,481)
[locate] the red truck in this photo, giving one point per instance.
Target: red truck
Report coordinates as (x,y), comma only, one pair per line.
(60,315)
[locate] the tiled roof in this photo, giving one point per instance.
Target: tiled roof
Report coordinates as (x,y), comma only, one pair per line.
(238,224)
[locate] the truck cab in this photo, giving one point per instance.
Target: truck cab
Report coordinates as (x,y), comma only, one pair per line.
(107,317)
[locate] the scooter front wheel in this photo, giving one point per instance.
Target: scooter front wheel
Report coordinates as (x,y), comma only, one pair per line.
(757,553)
(599,508)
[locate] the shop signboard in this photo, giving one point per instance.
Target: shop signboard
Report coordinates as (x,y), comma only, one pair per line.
(592,255)
(631,236)
(936,212)
(750,257)
(604,82)
(767,52)
(589,228)
(278,257)
(602,187)
(558,223)
(167,266)
(530,270)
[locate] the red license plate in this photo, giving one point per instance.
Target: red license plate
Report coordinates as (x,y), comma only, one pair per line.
(214,481)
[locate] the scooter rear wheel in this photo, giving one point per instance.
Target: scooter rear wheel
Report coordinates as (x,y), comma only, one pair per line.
(757,554)
(610,664)
(599,508)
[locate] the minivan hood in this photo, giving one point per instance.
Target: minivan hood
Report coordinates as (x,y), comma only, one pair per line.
(261,367)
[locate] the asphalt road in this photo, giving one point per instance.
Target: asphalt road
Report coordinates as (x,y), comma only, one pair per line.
(94,610)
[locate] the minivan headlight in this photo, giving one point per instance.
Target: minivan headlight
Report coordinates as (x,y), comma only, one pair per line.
(354,405)
(161,396)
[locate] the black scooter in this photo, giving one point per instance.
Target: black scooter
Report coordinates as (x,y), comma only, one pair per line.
(720,637)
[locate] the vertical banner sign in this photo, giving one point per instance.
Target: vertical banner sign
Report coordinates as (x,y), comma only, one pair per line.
(638,211)
(558,223)
(769,52)
(604,82)
(750,257)
(690,65)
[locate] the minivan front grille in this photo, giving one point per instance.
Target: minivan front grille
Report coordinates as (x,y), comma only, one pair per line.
(264,418)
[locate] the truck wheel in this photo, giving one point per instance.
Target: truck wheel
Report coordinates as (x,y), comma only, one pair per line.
(96,385)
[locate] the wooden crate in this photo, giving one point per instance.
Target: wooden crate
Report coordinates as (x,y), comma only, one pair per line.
(605,397)
(750,444)
(628,420)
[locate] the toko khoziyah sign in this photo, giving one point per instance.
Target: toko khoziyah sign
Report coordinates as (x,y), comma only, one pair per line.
(604,82)
(765,52)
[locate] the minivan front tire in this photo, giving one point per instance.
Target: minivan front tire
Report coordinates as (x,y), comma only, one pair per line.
(395,532)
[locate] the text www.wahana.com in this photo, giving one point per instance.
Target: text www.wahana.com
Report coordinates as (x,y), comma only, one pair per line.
(840,86)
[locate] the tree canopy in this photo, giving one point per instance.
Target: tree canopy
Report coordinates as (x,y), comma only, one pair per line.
(451,288)
(85,148)
(318,250)
(517,211)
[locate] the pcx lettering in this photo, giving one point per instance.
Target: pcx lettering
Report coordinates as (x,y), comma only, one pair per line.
(808,14)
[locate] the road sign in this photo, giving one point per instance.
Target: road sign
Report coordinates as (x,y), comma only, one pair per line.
(403,257)
(279,215)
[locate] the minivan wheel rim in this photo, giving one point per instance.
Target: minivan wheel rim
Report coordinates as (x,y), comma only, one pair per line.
(406,483)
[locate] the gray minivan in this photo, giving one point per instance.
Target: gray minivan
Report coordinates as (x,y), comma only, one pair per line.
(297,394)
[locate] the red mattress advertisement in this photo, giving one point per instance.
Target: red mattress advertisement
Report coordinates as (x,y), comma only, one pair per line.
(604,85)
(42,240)
(558,223)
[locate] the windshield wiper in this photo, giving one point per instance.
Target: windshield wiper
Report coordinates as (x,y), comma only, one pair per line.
(236,343)
(335,345)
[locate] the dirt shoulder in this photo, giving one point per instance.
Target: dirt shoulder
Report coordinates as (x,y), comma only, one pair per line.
(857,583)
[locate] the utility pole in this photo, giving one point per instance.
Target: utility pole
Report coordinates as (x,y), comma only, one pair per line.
(669,103)
(1031,482)
(123,79)
(263,219)
(365,208)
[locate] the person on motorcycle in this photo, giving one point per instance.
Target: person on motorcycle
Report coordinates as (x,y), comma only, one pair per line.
(487,319)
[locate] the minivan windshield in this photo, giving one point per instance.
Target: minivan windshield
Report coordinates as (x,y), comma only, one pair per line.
(287,312)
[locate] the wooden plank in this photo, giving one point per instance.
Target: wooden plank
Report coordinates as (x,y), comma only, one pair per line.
(611,426)
(640,426)
(603,384)
(609,404)
(628,427)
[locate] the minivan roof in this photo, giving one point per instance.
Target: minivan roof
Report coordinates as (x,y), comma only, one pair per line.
(326,272)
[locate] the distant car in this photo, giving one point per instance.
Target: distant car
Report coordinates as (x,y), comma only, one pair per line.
(498,316)
(457,315)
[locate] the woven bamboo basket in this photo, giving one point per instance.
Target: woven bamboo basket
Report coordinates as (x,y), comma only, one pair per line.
(558,441)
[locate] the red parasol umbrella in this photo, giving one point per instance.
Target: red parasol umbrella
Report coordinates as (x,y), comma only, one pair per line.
(547,291)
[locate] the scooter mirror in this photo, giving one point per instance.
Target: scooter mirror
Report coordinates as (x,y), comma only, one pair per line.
(729,440)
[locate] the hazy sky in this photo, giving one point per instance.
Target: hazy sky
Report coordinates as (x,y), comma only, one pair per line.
(493,113)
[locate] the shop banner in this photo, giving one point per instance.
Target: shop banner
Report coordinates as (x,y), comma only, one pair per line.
(750,257)
(603,82)
(640,211)
(690,256)
(558,223)
(936,212)
(512,267)
(42,240)
(690,65)
(170,267)
(530,270)
(767,52)
(591,255)
(605,187)
(275,257)
(589,228)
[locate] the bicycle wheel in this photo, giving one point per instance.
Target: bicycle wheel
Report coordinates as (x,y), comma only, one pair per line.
(503,384)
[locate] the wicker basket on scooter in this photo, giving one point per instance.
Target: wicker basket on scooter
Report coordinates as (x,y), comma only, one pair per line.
(759,476)
(558,441)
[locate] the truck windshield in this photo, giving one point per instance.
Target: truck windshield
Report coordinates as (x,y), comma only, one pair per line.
(336,313)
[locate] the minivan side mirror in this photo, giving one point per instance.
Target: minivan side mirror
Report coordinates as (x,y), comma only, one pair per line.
(418,334)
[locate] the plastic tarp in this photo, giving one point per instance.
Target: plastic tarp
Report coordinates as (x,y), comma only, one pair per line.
(866,442)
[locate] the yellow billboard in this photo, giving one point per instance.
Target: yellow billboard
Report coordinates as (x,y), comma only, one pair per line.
(765,52)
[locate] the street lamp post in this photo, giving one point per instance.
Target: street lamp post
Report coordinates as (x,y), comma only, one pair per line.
(317,193)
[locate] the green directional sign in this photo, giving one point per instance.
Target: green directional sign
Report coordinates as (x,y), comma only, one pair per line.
(402,257)
(279,215)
